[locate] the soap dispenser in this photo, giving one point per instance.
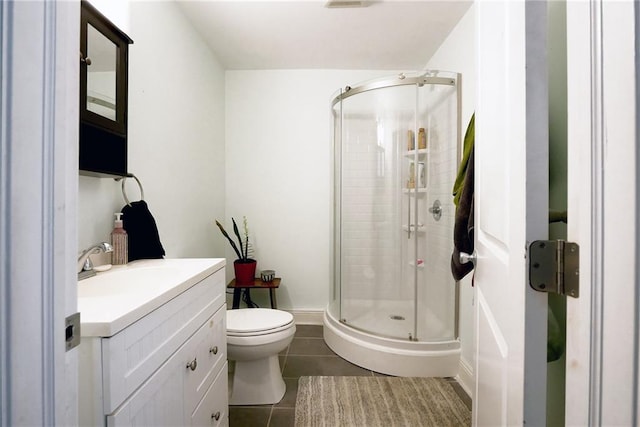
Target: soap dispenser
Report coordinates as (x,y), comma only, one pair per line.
(119,242)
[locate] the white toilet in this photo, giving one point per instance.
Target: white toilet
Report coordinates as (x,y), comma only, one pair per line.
(255,336)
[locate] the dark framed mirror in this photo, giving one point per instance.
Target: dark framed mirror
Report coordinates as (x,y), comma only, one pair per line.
(104,55)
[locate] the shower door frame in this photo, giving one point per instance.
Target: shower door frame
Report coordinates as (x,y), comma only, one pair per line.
(426,78)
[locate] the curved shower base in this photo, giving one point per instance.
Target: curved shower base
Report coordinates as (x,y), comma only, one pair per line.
(390,356)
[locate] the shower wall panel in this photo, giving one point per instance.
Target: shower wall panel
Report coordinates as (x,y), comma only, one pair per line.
(368,202)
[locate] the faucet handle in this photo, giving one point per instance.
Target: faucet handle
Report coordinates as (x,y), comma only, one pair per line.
(88,265)
(84,263)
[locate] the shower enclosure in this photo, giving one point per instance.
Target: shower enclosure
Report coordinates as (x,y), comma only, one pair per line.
(393,305)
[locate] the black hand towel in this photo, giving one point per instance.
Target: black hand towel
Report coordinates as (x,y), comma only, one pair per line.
(144,240)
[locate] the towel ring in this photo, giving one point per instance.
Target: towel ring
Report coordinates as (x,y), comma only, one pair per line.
(124,193)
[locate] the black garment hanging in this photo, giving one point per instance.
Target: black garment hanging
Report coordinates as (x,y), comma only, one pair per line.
(141,228)
(463,193)
(144,239)
(463,226)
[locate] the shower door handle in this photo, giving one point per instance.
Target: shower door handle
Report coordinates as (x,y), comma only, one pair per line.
(465,258)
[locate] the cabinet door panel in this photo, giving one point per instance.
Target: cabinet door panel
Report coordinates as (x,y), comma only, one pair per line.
(159,402)
(212,409)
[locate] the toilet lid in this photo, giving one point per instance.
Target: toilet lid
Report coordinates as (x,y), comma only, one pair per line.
(256,320)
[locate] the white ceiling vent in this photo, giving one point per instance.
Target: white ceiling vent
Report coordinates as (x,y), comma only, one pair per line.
(346,3)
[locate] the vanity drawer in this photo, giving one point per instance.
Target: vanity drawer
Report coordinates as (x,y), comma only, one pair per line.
(212,409)
(206,352)
(135,353)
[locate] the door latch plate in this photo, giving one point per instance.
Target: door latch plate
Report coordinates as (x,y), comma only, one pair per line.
(72,331)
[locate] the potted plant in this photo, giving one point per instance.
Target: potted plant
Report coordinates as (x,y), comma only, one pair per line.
(244,267)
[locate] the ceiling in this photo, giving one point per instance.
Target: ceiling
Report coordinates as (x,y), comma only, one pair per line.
(304,34)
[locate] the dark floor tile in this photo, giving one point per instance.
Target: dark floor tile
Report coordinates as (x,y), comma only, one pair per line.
(244,416)
(289,399)
(308,331)
(282,417)
(309,347)
(298,366)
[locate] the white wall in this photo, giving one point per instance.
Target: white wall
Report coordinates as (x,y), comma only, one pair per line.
(278,164)
(176,134)
(457,53)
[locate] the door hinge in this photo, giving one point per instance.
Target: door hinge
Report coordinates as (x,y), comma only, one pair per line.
(554,267)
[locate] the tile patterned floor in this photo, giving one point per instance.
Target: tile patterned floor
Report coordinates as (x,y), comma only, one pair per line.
(306,355)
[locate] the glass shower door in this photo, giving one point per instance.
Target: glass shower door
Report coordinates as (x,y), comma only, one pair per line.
(436,291)
(377,282)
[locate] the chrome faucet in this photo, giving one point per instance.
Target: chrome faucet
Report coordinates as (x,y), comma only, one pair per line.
(85,267)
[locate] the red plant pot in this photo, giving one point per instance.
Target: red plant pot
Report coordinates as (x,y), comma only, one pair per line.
(245,272)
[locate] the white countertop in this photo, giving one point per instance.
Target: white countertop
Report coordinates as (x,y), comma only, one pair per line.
(114,299)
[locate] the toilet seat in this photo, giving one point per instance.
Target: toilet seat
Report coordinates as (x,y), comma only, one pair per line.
(250,322)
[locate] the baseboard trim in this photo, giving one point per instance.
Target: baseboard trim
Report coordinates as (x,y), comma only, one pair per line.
(465,377)
(307,317)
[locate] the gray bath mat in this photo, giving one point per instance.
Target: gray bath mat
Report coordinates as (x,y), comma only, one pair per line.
(378,401)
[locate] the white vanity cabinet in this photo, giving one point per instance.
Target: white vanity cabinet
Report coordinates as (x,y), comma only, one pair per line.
(168,368)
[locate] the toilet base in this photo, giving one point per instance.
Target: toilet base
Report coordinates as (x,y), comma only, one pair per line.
(257,382)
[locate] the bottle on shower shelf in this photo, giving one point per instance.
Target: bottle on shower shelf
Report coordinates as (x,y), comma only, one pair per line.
(422,177)
(422,139)
(411,183)
(411,142)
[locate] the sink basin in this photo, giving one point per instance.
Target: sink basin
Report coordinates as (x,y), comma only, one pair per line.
(112,300)
(128,280)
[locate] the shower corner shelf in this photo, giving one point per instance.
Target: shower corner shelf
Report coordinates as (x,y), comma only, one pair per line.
(412,153)
(421,190)
(420,229)
(412,264)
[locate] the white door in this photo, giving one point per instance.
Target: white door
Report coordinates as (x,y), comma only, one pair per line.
(602,325)
(511,206)
(38,189)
